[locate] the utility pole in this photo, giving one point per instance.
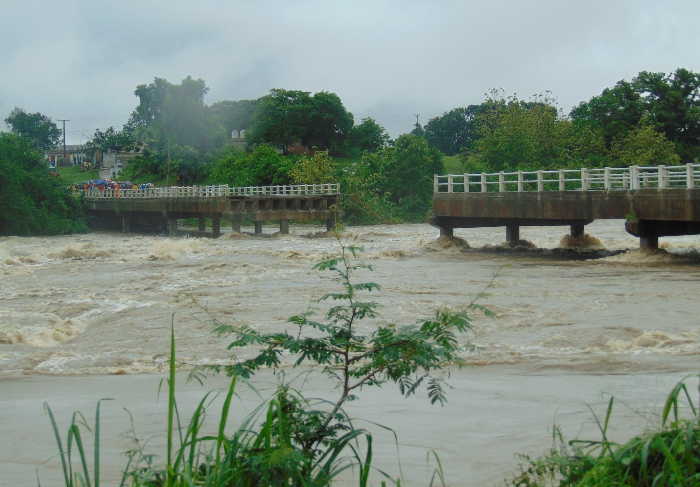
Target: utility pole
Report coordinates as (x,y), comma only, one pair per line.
(64,140)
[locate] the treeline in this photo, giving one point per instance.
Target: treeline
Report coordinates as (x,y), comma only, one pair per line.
(653,119)
(296,136)
(291,136)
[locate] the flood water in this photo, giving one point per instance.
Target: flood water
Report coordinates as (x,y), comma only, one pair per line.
(101,303)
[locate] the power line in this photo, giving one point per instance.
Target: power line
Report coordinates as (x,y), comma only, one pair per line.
(64,139)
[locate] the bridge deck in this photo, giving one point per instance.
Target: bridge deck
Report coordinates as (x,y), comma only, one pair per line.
(655,201)
(158,209)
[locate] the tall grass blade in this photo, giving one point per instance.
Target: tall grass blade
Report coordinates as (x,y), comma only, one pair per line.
(74,431)
(61,451)
(171,404)
(224,418)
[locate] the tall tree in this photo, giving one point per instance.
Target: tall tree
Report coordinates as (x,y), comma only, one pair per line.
(669,102)
(285,117)
(672,103)
(368,136)
(175,114)
(455,130)
(36,127)
(32,202)
(234,115)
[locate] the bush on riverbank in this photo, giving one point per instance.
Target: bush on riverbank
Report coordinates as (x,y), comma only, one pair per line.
(668,456)
(32,201)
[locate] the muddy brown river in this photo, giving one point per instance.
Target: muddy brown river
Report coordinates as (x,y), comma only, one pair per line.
(564,331)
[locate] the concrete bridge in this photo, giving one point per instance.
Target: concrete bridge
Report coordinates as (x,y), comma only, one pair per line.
(655,201)
(159,209)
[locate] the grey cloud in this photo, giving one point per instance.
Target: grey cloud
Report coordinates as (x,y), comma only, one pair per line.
(387,59)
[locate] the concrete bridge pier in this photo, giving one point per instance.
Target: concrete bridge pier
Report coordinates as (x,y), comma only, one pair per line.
(649,242)
(126,223)
(258,227)
(201,224)
(236,223)
(447,232)
(577,230)
(172,226)
(512,234)
(284,227)
(216,226)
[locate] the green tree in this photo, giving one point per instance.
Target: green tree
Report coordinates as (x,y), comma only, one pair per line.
(410,356)
(669,102)
(454,131)
(367,136)
(175,114)
(517,134)
(615,111)
(110,139)
(263,166)
(407,171)
(315,169)
(36,127)
(672,105)
(286,117)
(234,115)
(644,146)
(32,202)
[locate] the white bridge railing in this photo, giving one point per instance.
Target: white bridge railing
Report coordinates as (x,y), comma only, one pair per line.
(212,191)
(600,179)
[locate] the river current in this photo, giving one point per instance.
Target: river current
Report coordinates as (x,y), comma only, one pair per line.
(88,316)
(101,303)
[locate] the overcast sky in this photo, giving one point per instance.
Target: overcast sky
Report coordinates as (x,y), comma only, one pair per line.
(81,60)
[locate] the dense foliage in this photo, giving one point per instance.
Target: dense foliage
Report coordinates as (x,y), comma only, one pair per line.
(38,128)
(32,201)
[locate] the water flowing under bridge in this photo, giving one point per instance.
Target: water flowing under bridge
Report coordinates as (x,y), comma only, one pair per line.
(158,209)
(655,201)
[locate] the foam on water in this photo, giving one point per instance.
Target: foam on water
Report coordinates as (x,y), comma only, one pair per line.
(37,329)
(101,302)
(585,242)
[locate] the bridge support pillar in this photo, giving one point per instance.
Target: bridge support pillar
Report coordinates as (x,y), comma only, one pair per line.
(512,234)
(448,232)
(126,224)
(236,223)
(649,242)
(258,227)
(201,224)
(330,222)
(577,230)
(172,226)
(216,226)
(284,227)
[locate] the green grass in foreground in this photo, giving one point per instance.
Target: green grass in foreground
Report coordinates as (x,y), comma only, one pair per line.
(666,456)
